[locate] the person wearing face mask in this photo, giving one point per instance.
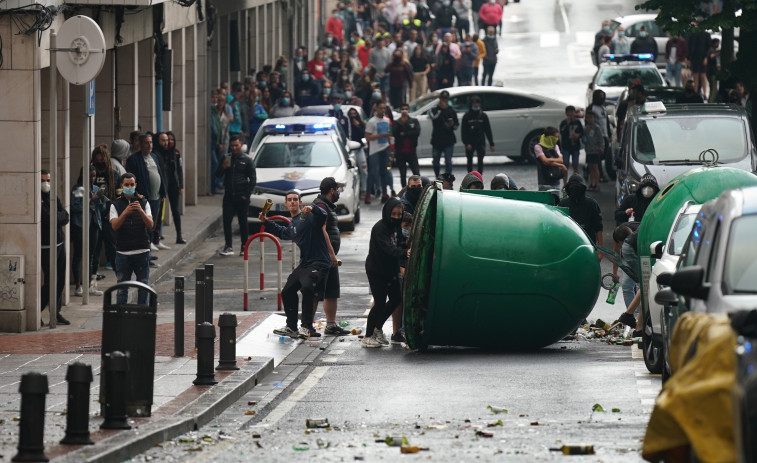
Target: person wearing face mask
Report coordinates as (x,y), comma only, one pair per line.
(501,181)
(356,132)
(400,78)
(466,63)
(583,209)
(150,179)
(305,90)
(475,131)
(444,13)
(131,219)
(444,123)
(60,250)
(382,266)
(173,166)
(620,43)
(472,181)
(410,195)
(597,106)
(380,57)
(550,167)
(335,25)
(285,106)
(633,207)
(406,132)
(644,44)
(119,151)
(605,31)
(97,206)
(378,133)
(336,112)
(490,14)
(676,54)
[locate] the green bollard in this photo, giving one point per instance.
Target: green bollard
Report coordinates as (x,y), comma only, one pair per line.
(494,270)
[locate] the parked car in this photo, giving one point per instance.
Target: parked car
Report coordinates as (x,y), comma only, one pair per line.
(297,157)
(717,270)
(323,110)
(667,140)
(517,118)
(297,125)
(613,76)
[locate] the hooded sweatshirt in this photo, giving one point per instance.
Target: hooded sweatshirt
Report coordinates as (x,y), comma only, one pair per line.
(637,201)
(583,210)
(384,253)
(469,179)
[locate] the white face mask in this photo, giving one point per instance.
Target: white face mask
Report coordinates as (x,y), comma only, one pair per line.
(45,187)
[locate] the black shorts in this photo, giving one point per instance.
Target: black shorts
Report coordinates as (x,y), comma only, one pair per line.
(332,285)
(593,158)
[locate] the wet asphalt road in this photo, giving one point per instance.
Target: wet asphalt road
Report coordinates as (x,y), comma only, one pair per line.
(437,399)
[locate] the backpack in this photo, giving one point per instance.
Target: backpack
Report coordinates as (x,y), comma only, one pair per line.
(551,174)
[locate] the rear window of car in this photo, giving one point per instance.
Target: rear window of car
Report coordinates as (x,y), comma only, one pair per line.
(298,154)
(619,76)
(740,271)
(672,139)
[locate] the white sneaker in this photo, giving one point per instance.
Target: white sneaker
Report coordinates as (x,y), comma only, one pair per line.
(78,291)
(227,251)
(93,291)
(304,332)
(153,247)
(379,336)
(163,246)
(370,341)
(286,331)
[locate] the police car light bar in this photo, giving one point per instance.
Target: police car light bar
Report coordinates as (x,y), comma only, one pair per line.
(629,57)
(322,126)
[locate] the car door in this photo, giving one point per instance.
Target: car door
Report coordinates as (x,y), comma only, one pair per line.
(512,117)
(424,149)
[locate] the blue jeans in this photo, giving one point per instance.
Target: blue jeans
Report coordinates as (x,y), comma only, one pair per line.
(447,159)
(139,264)
(377,163)
(466,75)
(673,73)
(629,286)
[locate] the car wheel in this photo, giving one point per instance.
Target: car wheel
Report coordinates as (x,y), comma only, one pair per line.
(527,148)
(653,353)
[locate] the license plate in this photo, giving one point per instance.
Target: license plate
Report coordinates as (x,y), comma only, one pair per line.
(280,207)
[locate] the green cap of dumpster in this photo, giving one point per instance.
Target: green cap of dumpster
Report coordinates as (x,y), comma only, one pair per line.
(496,272)
(698,186)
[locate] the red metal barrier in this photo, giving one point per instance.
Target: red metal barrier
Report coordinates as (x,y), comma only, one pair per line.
(262,235)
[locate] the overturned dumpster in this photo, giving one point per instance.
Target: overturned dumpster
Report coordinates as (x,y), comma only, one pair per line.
(496,269)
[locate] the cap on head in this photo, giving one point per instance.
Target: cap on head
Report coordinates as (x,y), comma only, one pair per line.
(328,183)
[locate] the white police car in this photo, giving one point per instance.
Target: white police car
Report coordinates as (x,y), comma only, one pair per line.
(296,153)
(617,71)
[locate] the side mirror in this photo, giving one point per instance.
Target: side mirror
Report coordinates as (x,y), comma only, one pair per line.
(664,278)
(666,297)
(353,145)
(689,282)
(655,249)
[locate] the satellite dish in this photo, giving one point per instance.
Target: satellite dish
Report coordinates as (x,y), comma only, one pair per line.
(81,44)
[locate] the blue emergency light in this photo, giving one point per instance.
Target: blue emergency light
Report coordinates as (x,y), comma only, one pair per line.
(323,126)
(629,57)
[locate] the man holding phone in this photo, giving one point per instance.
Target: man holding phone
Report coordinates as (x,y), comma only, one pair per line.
(131,220)
(239,177)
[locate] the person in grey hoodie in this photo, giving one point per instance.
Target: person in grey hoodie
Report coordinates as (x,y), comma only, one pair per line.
(490,60)
(469,54)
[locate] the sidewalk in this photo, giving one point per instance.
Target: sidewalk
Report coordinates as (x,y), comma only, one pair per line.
(178,407)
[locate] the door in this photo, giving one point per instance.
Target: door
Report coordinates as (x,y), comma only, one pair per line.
(512,117)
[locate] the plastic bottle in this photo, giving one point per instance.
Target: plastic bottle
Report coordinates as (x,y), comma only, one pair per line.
(273,337)
(612,293)
(575,449)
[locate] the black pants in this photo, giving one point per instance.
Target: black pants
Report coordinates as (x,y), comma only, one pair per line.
(403,160)
(381,289)
(310,282)
(397,96)
(235,206)
(488,71)
(108,237)
(173,200)
(94,254)
(60,277)
(481,151)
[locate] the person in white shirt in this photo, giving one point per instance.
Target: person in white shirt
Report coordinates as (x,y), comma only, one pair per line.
(379,136)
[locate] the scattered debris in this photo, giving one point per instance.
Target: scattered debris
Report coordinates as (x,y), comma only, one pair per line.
(252,402)
(317,423)
(301,447)
(255,435)
(496,423)
(250,412)
(597,408)
(394,441)
(581,449)
(412,449)
(480,433)
(496,410)
(616,410)
(535,423)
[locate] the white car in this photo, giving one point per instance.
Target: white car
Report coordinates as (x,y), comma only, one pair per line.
(667,254)
(298,158)
(517,118)
(614,75)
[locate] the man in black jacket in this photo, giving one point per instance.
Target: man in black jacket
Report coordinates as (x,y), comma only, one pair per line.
(406,132)
(60,251)
(475,127)
(172,167)
(584,210)
(444,123)
(633,207)
(330,190)
(239,181)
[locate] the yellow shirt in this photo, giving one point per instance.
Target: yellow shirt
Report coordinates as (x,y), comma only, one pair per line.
(481,52)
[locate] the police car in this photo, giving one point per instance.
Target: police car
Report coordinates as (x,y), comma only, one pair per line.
(617,71)
(296,153)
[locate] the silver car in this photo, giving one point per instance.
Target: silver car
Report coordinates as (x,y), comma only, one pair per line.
(517,118)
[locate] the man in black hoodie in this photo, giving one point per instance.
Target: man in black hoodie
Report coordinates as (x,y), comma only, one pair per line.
(444,123)
(633,206)
(584,210)
(475,131)
(383,269)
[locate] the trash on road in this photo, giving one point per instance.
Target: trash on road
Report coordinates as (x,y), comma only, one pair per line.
(394,441)
(480,433)
(317,423)
(496,410)
(412,449)
(597,408)
(496,423)
(301,447)
(580,449)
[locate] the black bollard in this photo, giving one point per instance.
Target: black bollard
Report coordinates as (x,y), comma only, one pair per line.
(79,377)
(205,333)
(227,337)
(116,367)
(178,317)
(208,293)
(199,300)
(31,429)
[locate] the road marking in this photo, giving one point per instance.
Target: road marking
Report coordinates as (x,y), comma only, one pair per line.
(648,391)
(336,352)
(302,390)
(643,382)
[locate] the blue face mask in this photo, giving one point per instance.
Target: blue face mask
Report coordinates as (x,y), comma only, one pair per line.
(348,94)
(337,107)
(305,77)
(299,58)
(445,3)
(327,91)
(284,70)
(329,39)
(349,9)
(376,95)
(491,36)
(367,68)
(643,34)
(621,33)
(285,101)
(129,191)
(405,232)
(428,49)
(476,108)
(263,83)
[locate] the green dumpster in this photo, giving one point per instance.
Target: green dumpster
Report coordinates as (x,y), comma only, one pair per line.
(497,272)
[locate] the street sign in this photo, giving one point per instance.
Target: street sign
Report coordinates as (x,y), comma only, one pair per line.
(91,98)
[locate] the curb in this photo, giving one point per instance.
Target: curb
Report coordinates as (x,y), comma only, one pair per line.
(201,411)
(206,228)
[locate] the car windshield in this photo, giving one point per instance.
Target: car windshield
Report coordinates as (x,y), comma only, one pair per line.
(619,76)
(672,139)
(740,271)
(681,231)
(422,101)
(298,154)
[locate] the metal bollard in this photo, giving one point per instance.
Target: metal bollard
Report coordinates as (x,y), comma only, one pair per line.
(116,367)
(31,429)
(178,317)
(205,334)
(208,293)
(227,327)
(79,377)
(199,299)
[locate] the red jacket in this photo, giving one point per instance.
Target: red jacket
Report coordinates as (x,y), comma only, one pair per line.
(363,53)
(682,49)
(490,14)
(316,68)
(335,26)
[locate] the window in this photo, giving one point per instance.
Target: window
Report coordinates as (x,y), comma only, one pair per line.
(740,269)
(299,154)
(421,102)
(680,232)
(506,101)
(672,139)
(460,103)
(620,75)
